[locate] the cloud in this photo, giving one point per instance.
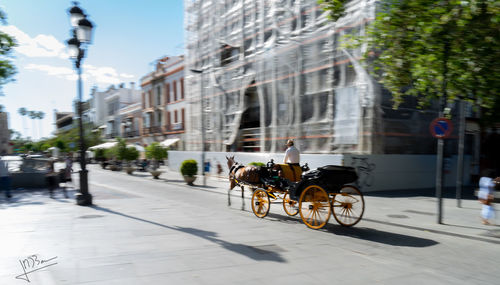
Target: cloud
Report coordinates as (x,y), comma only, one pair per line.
(48,46)
(58,71)
(99,75)
(38,46)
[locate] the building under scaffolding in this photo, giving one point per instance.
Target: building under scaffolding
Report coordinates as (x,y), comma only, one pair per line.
(272,70)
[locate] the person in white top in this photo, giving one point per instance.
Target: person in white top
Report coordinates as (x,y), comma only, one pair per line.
(292,154)
(486,196)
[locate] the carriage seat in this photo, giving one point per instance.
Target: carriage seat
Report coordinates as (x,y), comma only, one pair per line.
(291,172)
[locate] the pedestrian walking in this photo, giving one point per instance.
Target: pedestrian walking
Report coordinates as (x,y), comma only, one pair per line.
(5,178)
(68,169)
(51,178)
(486,196)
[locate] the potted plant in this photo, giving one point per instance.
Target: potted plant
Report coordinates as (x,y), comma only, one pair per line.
(189,168)
(156,152)
(110,155)
(131,154)
(100,155)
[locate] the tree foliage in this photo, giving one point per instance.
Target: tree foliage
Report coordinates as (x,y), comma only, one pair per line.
(435,49)
(156,151)
(7,43)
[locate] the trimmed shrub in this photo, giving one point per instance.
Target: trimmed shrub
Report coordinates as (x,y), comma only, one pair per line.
(189,167)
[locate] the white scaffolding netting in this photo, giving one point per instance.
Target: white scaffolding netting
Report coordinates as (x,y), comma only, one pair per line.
(274,70)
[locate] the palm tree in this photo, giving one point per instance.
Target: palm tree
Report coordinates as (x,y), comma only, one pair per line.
(32,115)
(23,112)
(40,116)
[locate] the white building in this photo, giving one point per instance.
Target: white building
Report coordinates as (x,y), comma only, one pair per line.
(276,70)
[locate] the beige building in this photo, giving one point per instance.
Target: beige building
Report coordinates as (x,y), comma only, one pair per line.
(163,103)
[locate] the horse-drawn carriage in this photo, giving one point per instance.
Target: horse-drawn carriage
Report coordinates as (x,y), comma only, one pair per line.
(314,194)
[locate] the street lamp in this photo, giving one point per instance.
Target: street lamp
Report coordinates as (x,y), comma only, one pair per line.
(202,126)
(81,36)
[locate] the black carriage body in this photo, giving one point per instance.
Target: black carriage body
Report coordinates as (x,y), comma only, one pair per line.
(329,177)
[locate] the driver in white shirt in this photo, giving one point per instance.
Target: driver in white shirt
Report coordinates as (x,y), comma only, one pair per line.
(292,154)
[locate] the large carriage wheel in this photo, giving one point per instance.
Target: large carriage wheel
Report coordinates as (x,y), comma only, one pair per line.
(290,206)
(260,203)
(348,206)
(314,207)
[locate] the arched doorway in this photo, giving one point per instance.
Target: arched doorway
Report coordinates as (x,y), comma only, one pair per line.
(249,130)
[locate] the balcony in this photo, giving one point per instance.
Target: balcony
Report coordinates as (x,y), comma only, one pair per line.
(175,127)
(152,130)
(112,135)
(131,134)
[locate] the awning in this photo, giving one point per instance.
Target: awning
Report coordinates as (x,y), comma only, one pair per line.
(169,142)
(137,147)
(102,127)
(105,145)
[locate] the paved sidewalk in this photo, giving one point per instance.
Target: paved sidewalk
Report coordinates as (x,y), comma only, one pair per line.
(417,212)
(131,236)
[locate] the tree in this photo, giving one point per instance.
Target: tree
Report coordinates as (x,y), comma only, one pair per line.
(435,49)
(32,115)
(157,152)
(23,112)
(7,43)
(40,115)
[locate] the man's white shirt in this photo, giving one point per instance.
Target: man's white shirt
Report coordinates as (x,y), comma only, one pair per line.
(292,155)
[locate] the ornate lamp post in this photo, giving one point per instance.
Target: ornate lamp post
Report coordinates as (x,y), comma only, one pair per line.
(81,37)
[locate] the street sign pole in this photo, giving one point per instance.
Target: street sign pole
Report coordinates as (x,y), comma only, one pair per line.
(439,179)
(440,128)
(460,167)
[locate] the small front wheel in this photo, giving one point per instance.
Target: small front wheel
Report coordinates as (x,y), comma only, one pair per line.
(348,206)
(314,207)
(260,203)
(290,206)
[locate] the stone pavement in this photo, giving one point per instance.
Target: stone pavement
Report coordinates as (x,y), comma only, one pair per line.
(131,236)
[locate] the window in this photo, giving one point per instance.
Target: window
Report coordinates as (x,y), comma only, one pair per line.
(182,88)
(158,95)
(175,116)
(159,119)
(143,100)
(175,90)
(182,117)
(150,97)
(168,120)
(167,93)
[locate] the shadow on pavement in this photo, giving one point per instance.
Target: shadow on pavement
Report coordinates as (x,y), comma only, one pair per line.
(363,233)
(442,232)
(448,192)
(380,236)
(24,197)
(255,253)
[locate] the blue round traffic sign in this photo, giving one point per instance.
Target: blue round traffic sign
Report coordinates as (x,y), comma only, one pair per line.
(441,128)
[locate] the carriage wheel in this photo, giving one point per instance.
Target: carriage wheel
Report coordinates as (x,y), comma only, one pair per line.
(314,207)
(348,206)
(290,206)
(260,203)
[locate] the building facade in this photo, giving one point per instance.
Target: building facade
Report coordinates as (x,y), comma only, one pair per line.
(164,104)
(64,121)
(5,147)
(268,71)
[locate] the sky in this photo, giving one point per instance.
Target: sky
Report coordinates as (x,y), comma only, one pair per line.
(129,35)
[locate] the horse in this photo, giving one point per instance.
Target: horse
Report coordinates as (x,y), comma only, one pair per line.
(241,173)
